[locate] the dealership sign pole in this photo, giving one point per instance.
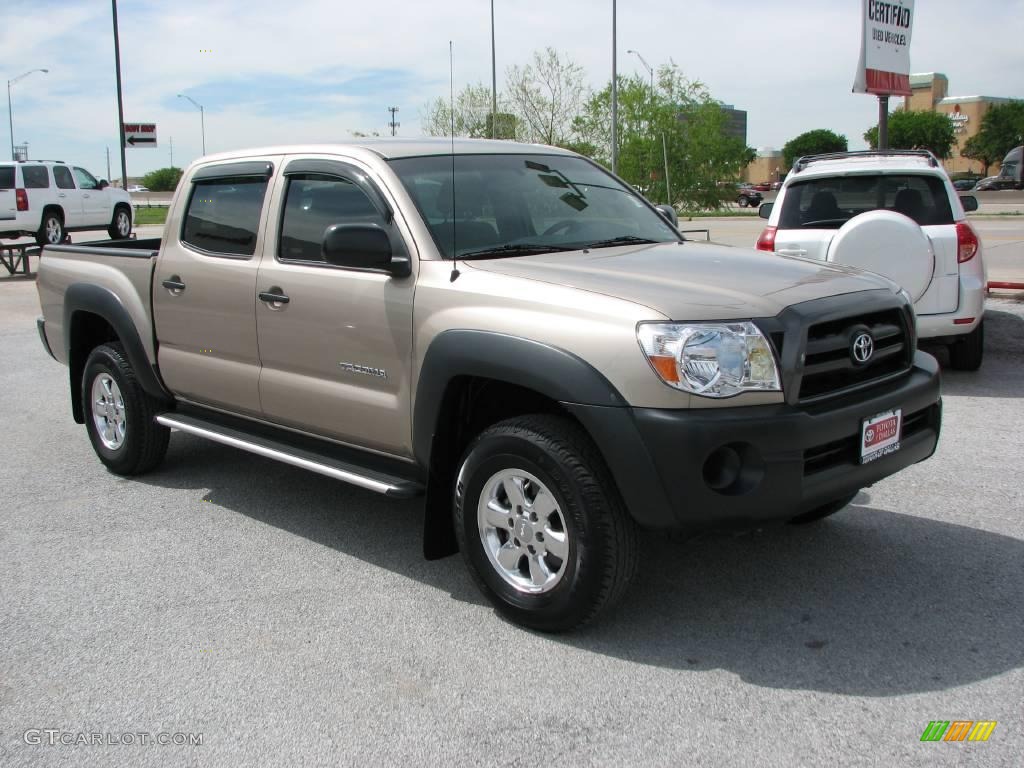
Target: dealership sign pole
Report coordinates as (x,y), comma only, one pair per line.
(884,66)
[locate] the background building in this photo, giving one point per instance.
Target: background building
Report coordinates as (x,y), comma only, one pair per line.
(930,94)
(769,165)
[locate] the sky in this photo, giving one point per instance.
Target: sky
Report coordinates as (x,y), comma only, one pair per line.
(316,70)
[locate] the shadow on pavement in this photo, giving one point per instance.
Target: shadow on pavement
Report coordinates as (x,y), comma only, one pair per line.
(870,602)
(999,375)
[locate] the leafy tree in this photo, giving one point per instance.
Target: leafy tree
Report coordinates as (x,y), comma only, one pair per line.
(678,118)
(546,94)
(814,142)
(978,148)
(162,179)
(472,108)
(917,130)
(1002,129)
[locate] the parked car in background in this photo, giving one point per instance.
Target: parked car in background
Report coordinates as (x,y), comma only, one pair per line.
(47,199)
(964,185)
(762,186)
(746,196)
(995,184)
(893,212)
(138,188)
(776,186)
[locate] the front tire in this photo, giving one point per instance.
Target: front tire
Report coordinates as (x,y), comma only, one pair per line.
(743,202)
(540,524)
(121,225)
(120,414)
(51,229)
(966,354)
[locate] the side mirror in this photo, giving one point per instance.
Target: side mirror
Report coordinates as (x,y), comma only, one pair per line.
(362,246)
(969,202)
(669,213)
(765,210)
(103,184)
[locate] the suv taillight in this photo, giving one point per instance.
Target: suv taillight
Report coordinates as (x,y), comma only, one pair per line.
(966,242)
(766,242)
(21,196)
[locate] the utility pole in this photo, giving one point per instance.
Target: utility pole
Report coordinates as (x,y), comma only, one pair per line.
(108,163)
(120,101)
(393,124)
(494,81)
(615,97)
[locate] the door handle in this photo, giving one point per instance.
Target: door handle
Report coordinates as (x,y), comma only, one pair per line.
(274,296)
(174,285)
(61,195)
(84,195)
(792,251)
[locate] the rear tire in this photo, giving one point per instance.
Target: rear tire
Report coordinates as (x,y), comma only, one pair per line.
(541,526)
(121,225)
(825,510)
(743,202)
(51,228)
(120,414)
(966,354)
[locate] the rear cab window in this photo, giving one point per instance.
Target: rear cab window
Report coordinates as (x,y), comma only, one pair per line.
(829,202)
(36,177)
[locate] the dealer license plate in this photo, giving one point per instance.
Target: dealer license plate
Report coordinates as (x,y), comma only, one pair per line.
(880,435)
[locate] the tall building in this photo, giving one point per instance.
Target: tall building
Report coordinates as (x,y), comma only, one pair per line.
(929,93)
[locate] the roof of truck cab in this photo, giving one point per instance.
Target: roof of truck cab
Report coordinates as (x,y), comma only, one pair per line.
(400,147)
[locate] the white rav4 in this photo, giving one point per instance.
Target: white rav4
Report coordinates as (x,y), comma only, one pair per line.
(46,199)
(894,212)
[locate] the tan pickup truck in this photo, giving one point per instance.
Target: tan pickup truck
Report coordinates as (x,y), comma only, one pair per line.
(507,330)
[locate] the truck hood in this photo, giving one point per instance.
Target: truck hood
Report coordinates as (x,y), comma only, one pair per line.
(692,281)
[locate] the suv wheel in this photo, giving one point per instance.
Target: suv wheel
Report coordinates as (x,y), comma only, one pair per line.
(51,229)
(966,354)
(121,226)
(743,201)
(540,524)
(120,415)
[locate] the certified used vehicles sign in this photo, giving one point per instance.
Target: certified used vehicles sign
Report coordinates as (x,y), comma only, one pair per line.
(884,66)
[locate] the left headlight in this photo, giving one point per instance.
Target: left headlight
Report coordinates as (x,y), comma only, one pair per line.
(710,359)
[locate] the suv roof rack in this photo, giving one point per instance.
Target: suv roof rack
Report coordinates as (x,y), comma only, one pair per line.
(41,160)
(803,162)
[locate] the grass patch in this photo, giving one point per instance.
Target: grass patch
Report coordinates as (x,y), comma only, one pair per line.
(145,215)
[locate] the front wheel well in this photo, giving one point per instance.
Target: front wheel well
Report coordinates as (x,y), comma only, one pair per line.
(86,331)
(469,405)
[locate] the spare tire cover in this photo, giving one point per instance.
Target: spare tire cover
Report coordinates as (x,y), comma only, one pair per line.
(890,244)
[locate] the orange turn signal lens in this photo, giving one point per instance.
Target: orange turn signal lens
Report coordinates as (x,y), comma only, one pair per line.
(666,366)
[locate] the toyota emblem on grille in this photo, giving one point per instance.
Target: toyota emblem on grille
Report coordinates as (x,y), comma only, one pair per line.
(863,348)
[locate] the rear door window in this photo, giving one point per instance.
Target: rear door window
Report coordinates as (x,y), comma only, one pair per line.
(828,203)
(223,215)
(6,177)
(62,175)
(36,177)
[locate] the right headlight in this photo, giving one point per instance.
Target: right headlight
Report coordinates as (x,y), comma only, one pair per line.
(710,359)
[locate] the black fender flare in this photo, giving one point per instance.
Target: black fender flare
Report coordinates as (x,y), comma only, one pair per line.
(94,299)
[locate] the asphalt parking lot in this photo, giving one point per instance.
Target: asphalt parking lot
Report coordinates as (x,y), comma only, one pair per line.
(290,619)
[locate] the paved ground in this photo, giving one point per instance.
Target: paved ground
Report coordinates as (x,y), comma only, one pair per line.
(290,620)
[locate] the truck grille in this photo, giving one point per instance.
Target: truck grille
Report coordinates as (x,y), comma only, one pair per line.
(829,367)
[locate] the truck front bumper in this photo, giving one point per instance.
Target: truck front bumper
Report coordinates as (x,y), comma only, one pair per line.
(725,467)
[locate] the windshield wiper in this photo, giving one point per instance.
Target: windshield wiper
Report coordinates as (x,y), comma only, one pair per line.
(621,240)
(517,249)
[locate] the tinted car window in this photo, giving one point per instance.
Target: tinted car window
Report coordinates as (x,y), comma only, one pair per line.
(312,204)
(223,216)
(62,175)
(828,203)
(493,201)
(35,176)
(85,179)
(6,177)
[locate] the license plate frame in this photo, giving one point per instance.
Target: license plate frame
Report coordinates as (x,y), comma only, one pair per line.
(880,435)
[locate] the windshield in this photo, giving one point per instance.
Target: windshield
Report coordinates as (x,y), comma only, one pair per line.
(829,202)
(508,205)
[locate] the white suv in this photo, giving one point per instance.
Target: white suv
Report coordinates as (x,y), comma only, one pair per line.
(894,212)
(48,198)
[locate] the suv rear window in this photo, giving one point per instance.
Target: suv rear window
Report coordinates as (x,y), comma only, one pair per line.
(828,203)
(36,176)
(6,177)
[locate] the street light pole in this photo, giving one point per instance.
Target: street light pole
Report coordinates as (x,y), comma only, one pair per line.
(648,67)
(202,116)
(615,95)
(494,81)
(10,110)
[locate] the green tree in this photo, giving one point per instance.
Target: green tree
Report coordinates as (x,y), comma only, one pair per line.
(814,142)
(1002,129)
(546,95)
(162,179)
(472,108)
(917,130)
(678,118)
